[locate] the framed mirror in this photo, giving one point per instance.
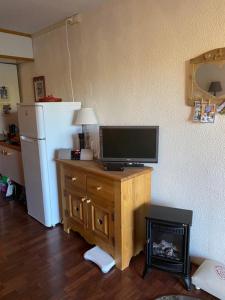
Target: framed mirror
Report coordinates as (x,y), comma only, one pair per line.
(207,77)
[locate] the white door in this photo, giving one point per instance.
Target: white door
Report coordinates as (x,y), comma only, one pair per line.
(36,179)
(31,121)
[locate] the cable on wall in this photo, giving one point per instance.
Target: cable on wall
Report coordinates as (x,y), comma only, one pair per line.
(69,59)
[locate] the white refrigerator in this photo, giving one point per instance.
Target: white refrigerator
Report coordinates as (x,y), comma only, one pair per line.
(44,128)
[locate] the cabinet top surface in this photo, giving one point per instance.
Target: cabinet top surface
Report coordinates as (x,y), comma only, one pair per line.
(97,169)
(14,147)
(170,214)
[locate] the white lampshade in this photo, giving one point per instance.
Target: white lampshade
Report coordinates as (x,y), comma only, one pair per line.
(86,116)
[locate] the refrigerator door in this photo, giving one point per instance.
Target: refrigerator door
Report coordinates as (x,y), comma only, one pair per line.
(36,179)
(31,121)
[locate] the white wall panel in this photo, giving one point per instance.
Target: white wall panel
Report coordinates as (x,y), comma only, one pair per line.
(15,45)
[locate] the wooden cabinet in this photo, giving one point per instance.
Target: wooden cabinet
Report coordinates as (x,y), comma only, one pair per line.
(15,45)
(107,208)
(11,163)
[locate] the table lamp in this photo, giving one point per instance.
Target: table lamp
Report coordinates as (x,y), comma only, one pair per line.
(85,116)
(215,87)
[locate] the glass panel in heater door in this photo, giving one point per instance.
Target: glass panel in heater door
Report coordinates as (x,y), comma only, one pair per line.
(167,242)
(36,180)
(31,121)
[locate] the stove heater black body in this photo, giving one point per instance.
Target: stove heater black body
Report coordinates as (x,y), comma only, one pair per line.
(168,240)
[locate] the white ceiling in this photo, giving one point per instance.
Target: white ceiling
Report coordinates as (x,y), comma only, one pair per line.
(33,15)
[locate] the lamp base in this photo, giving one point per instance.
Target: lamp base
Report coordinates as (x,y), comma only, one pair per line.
(82,140)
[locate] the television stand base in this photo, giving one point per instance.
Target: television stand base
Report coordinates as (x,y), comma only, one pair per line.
(120,166)
(113,167)
(134,165)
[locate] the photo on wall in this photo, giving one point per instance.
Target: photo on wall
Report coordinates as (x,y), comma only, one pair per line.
(197,111)
(208,113)
(39,87)
(3,92)
(204,112)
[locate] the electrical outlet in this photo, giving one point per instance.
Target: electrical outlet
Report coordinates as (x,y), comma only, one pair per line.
(76,19)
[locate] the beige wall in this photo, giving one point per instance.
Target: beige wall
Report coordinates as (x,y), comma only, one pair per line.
(26,73)
(128,62)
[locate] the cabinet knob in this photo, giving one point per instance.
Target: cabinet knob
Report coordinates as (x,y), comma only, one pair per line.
(83,199)
(88,201)
(98,188)
(100,221)
(74,178)
(7,153)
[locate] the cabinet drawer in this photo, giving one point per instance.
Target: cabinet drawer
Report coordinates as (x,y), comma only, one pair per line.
(100,188)
(74,180)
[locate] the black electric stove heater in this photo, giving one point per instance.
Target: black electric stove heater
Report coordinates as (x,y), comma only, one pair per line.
(168,239)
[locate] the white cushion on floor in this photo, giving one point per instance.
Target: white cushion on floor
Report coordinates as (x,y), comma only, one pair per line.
(100,258)
(210,277)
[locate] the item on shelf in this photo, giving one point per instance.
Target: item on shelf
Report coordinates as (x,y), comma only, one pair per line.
(86,154)
(12,130)
(6,186)
(3,138)
(63,154)
(75,154)
(3,184)
(50,98)
(6,108)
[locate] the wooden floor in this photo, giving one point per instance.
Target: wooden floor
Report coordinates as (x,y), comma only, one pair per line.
(40,263)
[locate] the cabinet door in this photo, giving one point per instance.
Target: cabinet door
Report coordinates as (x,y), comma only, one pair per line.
(11,164)
(101,220)
(77,209)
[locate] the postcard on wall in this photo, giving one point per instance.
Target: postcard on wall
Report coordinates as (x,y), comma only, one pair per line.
(3,92)
(221,108)
(208,112)
(197,111)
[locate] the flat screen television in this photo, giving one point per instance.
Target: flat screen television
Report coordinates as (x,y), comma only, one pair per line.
(129,144)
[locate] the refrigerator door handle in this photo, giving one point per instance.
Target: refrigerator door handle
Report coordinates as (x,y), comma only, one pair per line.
(28,139)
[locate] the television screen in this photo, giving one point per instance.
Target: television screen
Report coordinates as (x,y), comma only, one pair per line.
(129,143)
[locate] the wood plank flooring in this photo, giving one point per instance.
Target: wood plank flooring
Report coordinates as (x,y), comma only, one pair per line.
(47,264)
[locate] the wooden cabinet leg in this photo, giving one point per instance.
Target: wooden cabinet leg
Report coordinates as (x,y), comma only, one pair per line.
(122,263)
(66,228)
